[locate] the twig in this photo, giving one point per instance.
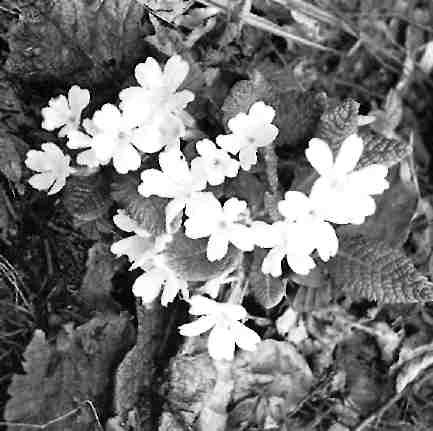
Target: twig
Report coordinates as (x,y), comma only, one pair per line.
(58,419)
(380,412)
(266,25)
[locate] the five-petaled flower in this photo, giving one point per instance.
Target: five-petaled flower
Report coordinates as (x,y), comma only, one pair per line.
(295,238)
(217,163)
(65,113)
(175,180)
(52,167)
(222,224)
(223,319)
(342,195)
(157,95)
(249,132)
(116,139)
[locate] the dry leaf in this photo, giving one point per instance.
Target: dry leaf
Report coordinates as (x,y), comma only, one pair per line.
(60,377)
(83,41)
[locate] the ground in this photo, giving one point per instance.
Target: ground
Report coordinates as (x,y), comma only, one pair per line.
(348,347)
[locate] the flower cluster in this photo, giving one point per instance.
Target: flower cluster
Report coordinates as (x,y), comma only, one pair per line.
(150,119)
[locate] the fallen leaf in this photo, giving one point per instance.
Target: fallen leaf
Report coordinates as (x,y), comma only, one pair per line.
(58,377)
(84,41)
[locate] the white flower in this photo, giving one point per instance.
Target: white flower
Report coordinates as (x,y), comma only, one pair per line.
(250,131)
(226,330)
(285,241)
(175,180)
(342,195)
(115,139)
(295,238)
(79,140)
(65,112)
(217,164)
(157,94)
(222,224)
(127,224)
(148,285)
(52,165)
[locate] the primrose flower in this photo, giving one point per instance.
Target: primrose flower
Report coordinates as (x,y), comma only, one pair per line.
(342,195)
(80,140)
(175,180)
(157,94)
(65,113)
(295,238)
(222,224)
(115,139)
(223,321)
(52,167)
(159,278)
(217,164)
(250,131)
(285,241)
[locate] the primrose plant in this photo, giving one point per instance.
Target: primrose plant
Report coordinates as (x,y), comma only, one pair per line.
(150,122)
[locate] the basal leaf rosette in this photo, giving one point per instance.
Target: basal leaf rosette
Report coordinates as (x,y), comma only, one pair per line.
(187,258)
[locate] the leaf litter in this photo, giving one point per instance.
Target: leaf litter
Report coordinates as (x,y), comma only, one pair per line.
(338,352)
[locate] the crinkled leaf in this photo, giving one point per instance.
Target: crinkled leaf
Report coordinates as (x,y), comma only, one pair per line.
(267,290)
(371,269)
(96,286)
(59,377)
(187,258)
(378,149)
(87,198)
(168,10)
(75,40)
(244,94)
(337,122)
(149,212)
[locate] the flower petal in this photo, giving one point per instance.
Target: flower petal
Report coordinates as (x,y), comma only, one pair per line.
(230,143)
(326,240)
(175,71)
(135,247)
(126,158)
(265,235)
(155,182)
(42,181)
(217,247)
(245,337)
(199,326)
(261,111)
(88,158)
(272,262)
(173,285)
(349,154)
(174,165)
(173,210)
(108,118)
(78,99)
(369,180)
(295,205)
(320,156)
(148,285)
(56,114)
(202,305)
(248,157)
(300,263)
(149,74)
(221,343)
(241,237)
